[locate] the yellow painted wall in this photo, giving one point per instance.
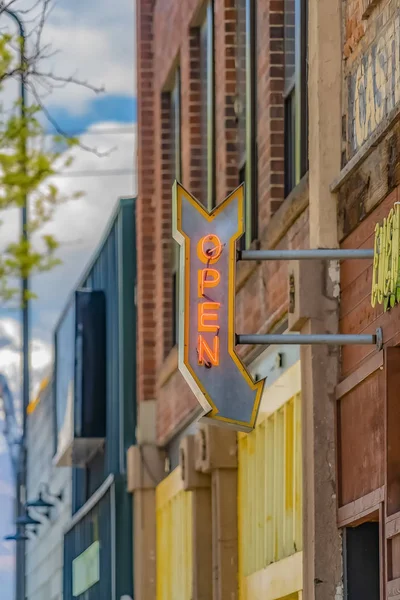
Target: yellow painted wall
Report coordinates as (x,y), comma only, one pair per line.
(174,539)
(270,496)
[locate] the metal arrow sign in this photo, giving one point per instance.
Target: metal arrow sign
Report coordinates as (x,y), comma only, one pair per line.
(207,357)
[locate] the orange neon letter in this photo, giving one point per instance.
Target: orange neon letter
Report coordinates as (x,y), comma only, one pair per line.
(209,249)
(212,316)
(204,282)
(204,349)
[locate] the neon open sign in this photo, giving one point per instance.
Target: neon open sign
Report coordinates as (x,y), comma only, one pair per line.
(207,356)
(209,251)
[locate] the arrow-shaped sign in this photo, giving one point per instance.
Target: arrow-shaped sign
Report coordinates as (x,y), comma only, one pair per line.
(207,357)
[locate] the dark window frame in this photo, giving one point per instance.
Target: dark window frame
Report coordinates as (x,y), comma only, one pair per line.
(251,123)
(296,97)
(362,559)
(248,163)
(207,30)
(176,141)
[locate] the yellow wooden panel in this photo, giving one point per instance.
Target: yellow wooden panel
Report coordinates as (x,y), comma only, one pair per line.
(270,489)
(280,581)
(283,388)
(174,539)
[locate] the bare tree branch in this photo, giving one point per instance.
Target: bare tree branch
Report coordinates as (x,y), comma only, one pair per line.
(35,54)
(29,10)
(67,80)
(42,20)
(5,5)
(59,129)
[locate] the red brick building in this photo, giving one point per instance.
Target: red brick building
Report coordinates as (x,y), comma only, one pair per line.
(195,110)
(299,100)
(221,100)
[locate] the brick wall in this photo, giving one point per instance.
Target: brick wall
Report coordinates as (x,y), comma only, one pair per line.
(173,38)
(227,178)
(163,183)
(270,109)
(145,225)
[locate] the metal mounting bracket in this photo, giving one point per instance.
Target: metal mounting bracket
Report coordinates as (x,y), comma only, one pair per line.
(312,339)
(311,254)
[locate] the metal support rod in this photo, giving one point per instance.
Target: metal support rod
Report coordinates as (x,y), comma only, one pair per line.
(312,254)
(294,339)
(21,476)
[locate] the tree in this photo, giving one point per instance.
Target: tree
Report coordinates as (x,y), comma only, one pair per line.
(26,161)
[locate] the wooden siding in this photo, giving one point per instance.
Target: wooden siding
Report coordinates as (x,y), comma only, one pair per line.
(174,539)
(356,312)
(361,412)
(361,430)
(270,495)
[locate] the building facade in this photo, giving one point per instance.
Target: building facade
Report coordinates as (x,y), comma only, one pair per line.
(231,92)
(95,415)
(44,551)
(300,101)
(79,430)
(367,397)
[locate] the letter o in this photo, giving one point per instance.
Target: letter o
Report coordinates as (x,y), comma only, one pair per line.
(211,254)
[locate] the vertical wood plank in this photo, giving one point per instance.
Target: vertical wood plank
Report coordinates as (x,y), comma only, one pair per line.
(298,491)
(270,525)
(289,476)
(392,366)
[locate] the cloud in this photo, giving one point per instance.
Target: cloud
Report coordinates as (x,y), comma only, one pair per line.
(3,450)
(10,360)
(79,226)
(101,52)
(7,562)
(6,489)
(102,108)
(94,41)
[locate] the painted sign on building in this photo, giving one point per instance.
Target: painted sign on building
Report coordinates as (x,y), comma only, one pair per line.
(374,84)
(86,569)
(386,266)
(207,356)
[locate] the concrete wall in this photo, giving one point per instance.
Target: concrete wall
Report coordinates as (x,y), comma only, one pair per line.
(44,553)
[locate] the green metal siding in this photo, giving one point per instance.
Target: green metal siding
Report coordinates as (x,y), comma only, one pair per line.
(113,270)
(103,522)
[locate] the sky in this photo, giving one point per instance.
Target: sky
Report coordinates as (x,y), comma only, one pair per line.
(95,43)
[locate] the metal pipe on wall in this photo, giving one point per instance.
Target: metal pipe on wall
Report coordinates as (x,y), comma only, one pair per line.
(309,254)
(294,339)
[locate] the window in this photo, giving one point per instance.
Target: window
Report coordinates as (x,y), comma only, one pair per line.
(175,132)
(207,108)
(362,561)
(295,92)
(246,109)
(176,126)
